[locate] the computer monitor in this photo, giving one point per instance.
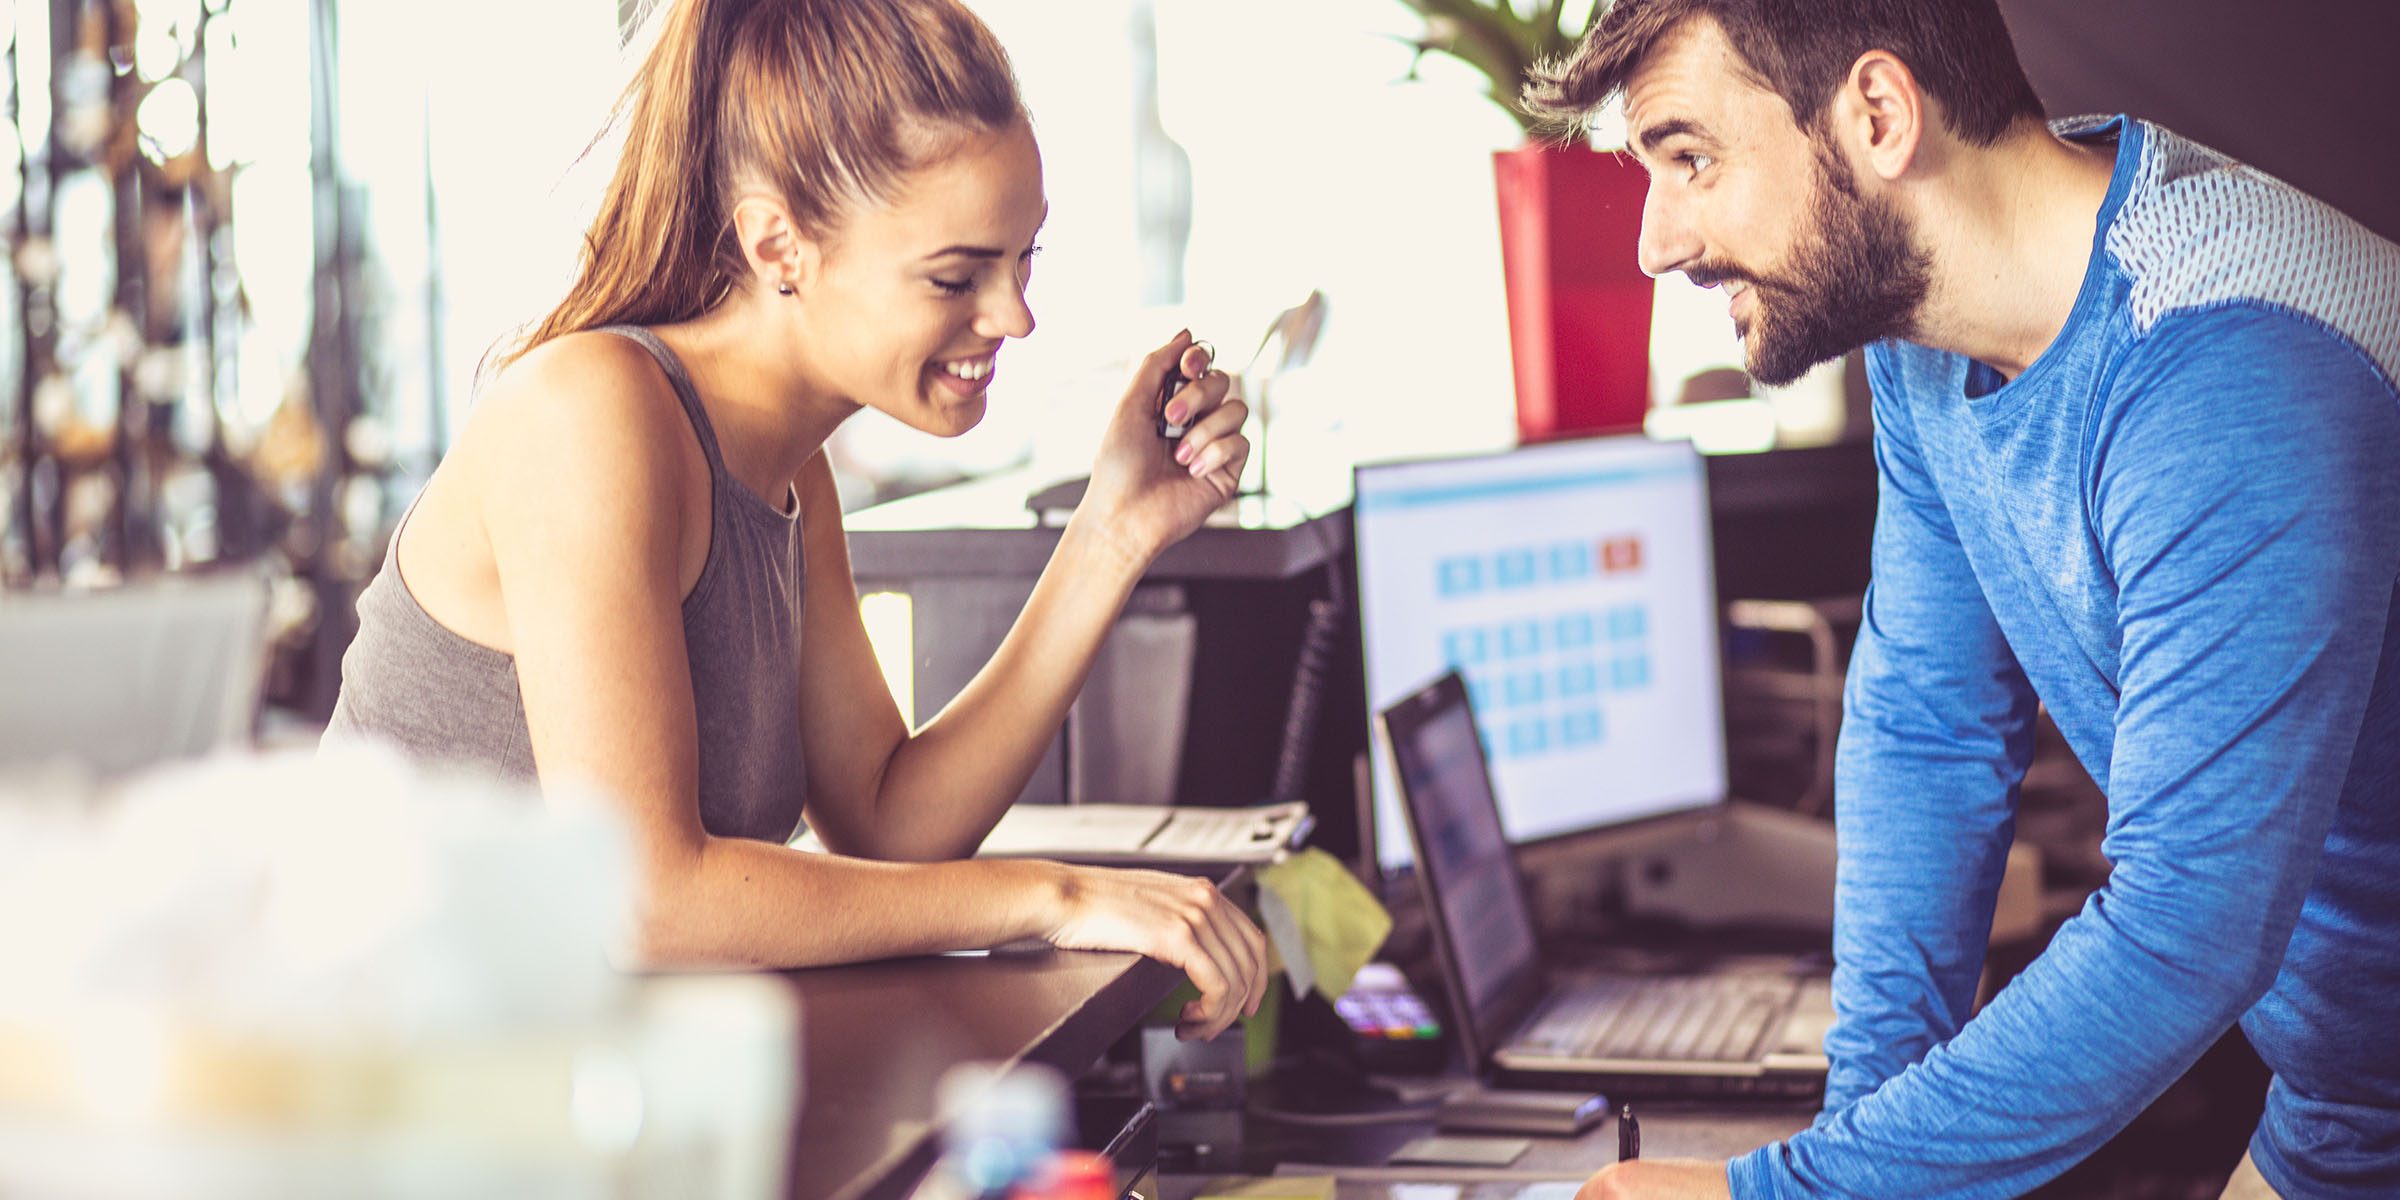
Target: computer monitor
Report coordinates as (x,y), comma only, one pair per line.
(1571,584)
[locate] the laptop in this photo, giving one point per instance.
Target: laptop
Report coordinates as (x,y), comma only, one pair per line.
(1748,1027)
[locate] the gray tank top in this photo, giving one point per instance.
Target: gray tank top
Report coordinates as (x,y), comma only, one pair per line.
(410,681)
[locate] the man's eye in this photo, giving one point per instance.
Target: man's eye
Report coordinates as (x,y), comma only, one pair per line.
(1694,163)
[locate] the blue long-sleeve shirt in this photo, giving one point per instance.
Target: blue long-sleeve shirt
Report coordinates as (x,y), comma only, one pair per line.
(2179,529)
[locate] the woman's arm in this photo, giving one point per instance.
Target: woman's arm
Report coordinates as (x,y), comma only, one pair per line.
(575,466)
(876,790)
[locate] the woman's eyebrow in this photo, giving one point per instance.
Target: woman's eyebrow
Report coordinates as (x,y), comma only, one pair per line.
(966,250)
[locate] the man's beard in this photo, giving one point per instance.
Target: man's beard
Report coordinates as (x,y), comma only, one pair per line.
(1856,276)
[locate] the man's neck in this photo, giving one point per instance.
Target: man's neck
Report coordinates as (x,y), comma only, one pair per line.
(2010,231)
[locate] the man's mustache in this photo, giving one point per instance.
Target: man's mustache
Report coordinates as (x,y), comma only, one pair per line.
(1711,276)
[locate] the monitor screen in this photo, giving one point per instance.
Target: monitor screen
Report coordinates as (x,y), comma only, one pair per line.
(1570,583)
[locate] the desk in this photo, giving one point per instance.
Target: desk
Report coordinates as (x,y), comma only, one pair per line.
(1692,1130)
(875,1039)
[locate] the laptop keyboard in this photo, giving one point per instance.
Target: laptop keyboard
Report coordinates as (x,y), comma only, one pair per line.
(1703,1018)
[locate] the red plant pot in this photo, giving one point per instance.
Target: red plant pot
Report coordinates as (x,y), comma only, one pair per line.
(1578,303)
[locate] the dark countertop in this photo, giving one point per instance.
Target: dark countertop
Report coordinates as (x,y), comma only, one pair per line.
(875,1039)
(1669,1130)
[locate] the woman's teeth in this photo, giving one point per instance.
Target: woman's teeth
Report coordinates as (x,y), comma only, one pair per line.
(970,370)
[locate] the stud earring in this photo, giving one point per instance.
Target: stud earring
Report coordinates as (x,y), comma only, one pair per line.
(783,289)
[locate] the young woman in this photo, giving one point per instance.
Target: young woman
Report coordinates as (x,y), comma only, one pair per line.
(630,570)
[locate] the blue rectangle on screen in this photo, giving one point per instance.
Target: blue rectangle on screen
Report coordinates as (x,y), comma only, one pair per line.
(1579,679)
(1574,631)
(1579,728)
(1627,623)
(1515,569)
(1632,671)
(1465,647)
(1530,735)
(1460,575)
(1520,638)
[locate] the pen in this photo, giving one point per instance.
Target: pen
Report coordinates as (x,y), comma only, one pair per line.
(1629,1135)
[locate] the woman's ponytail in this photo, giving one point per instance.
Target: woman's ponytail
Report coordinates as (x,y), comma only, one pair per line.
(828,102)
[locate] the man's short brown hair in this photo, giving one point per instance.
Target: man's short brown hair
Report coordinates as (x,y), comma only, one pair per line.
(1802,50)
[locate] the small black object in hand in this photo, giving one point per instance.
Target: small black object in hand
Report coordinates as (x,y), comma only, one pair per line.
(1167,388)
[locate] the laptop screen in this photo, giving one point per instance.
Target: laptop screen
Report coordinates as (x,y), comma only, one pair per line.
(1485,934)
(1571,583)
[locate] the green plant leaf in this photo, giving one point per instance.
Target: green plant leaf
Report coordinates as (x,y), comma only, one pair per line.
(1501,44)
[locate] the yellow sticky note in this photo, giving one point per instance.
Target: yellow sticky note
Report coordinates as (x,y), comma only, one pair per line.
(1274,1187)
(1324,923)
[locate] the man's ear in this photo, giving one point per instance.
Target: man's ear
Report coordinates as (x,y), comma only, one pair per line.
(771,241)
(1877,117)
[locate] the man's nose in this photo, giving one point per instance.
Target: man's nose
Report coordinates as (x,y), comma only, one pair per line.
(1668,243)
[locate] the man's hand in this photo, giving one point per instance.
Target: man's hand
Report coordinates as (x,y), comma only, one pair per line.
(1658,1179)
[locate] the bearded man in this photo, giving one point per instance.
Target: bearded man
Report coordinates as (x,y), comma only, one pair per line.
(2139,448)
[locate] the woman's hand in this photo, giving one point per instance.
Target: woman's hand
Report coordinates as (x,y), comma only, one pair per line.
(1180,920)
(1148,493)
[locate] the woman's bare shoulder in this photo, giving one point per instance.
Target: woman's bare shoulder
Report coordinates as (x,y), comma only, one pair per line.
(582,377)
(566,460)
(590,415)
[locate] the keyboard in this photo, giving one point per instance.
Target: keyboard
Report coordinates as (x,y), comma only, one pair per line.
(1698,1018)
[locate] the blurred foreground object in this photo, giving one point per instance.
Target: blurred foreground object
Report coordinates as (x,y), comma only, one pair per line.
(126,677)
(341,975)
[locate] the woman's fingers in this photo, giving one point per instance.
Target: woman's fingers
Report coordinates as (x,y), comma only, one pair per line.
(1249,947)
(1226,947)
(1234,947)
(1221,419)
(1225,456)
(1205,394)
(1180,920)
(1264,975)
(1216,443)
(1155,363)
(1155,369)
(1220,432)
(1215,969)
(1218,1007)
(1252,946)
